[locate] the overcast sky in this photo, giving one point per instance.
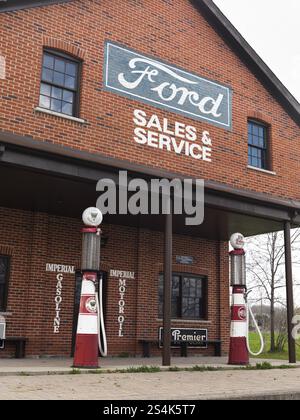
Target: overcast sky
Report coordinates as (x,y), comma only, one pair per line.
(272,28)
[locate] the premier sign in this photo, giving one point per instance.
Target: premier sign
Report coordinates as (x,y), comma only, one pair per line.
(145,79)
(194,337)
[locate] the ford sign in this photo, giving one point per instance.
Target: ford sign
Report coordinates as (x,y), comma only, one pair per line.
(153,82)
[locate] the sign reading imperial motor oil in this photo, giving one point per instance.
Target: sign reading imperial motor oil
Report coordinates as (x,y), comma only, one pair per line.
(145,79)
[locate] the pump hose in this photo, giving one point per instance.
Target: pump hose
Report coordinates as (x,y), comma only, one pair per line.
(100,321)
(249,311)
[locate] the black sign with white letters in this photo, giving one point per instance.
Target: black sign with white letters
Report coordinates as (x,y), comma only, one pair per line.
(194,337)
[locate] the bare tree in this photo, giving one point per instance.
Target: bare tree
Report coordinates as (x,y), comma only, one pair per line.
(266,272)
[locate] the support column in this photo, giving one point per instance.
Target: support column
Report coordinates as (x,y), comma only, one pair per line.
(289,290)
(167,288)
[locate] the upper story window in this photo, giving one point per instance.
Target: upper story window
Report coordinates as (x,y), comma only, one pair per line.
(257,145)
(189,296)
(59,90)
(4,276)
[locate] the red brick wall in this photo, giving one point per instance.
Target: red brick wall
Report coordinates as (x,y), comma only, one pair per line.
(171,30)
(34,239)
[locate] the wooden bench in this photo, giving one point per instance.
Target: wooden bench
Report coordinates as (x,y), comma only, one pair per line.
(20,344)
(183,346)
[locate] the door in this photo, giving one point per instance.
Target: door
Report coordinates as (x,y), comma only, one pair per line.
(78,281)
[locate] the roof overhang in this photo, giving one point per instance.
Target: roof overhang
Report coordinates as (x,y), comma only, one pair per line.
(59,180)
(12,5)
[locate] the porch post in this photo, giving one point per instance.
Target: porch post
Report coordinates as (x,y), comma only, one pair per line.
(167,288)
(289,290)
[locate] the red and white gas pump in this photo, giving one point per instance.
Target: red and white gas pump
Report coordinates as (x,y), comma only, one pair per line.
(90,326)
(240,310)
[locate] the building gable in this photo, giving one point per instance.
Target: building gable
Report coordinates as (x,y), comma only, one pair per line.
(12,5)
(226,30)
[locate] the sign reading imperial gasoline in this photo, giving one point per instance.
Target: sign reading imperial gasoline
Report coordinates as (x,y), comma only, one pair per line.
(145,79)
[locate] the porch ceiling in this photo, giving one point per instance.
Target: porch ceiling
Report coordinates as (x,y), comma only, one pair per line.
(39,191)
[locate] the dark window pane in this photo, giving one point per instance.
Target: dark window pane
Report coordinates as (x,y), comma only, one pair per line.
(2,297)
(71,69)
(255,130)
(262,143)
(261,132)
(59,65)
(259,153)
(47,75)
(70,82)
(56,93)
(190,308)
(44,101)
(45,89)
(56,105)
(67,108)
(48,61)
(68,96)
(4,272)
(58,78)
(3,269)
(255,141)
(176,285)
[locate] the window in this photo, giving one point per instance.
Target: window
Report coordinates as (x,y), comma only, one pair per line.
(189,296)
(257,145)
(59,90)
(4,275)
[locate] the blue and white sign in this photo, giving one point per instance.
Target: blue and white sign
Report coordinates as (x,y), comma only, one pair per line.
(145,79)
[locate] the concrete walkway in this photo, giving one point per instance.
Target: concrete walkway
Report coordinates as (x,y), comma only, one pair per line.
(10,367)
(238,384)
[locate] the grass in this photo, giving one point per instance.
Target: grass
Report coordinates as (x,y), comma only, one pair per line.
(140,369)
(255,345)
(197,368)
(258,366)
(156,369)
(75,371)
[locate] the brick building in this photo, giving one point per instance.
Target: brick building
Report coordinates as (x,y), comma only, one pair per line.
(161,89)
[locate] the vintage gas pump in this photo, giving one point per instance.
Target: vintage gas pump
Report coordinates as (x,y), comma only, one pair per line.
(90,320)
(2,332)
(240,310)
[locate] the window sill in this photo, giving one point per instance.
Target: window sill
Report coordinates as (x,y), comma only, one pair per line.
(57,114)
(5,314)
(187,321)
(264,171)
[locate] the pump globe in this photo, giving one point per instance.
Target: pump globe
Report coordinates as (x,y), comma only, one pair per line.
(92,217)
(237,241)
